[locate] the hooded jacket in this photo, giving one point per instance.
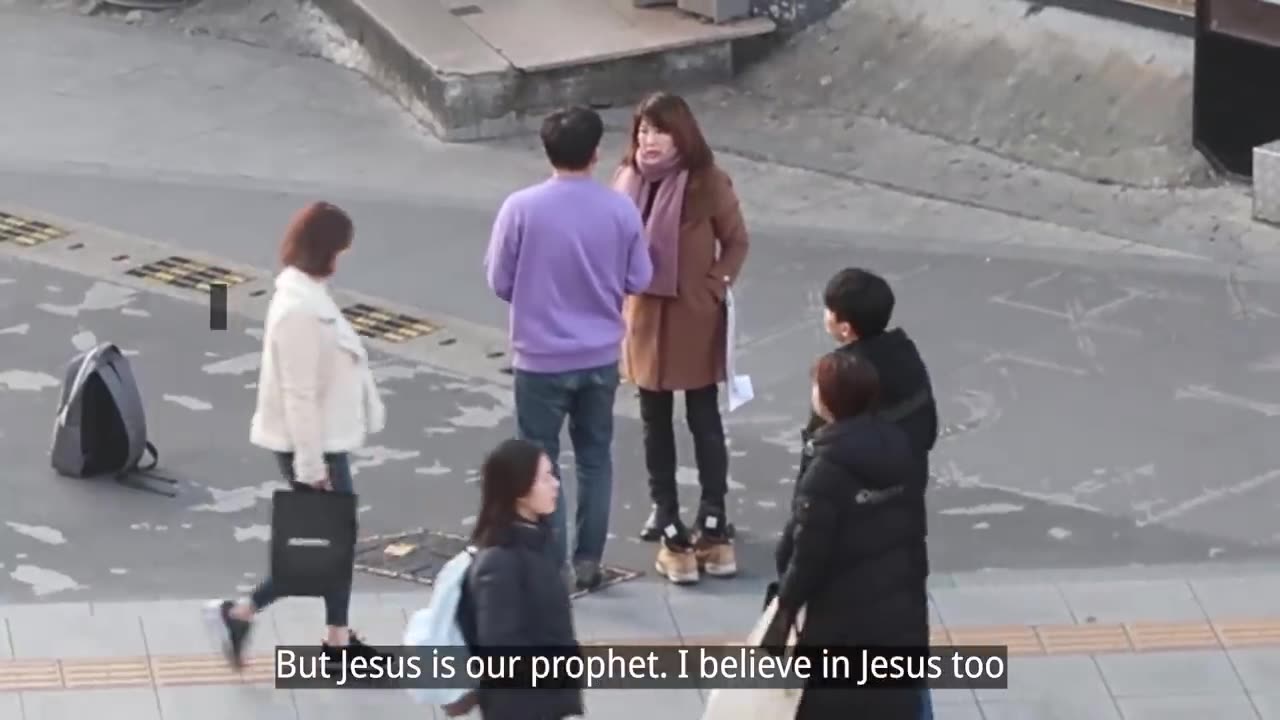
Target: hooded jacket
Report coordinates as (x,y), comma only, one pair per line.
(854,557)
(906,391)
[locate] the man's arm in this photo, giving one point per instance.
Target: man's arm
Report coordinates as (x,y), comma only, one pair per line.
(639,257)
(504,252)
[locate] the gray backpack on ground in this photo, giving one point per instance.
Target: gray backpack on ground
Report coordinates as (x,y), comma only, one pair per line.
(101,428)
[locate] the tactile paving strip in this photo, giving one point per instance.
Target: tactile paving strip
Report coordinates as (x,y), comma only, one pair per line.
(1022,641)
(27,232)
(380,324)
(187,273)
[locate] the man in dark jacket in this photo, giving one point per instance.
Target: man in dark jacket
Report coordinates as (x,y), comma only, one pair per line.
(859,306)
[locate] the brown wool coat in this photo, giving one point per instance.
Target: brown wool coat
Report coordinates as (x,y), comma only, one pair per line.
(678,343)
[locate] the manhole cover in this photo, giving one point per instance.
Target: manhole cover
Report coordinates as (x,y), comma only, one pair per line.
(379,324)
(23,231)
(417,555)
(186,273)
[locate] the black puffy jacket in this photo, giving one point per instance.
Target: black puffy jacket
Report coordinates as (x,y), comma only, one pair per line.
(906,390)
(514,598)
(854,556)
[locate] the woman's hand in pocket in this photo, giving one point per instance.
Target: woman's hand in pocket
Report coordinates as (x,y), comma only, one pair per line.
(718,287)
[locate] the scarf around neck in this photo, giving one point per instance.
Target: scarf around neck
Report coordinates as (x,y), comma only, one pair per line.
(663,223)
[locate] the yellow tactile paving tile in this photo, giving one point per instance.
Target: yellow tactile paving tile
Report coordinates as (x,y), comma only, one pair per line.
(1083,639)
(1148,637)
(30,675)
(111,672)
(1021,641)
(1248,633)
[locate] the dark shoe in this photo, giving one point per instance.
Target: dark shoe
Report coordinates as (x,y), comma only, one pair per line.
(231,633)
(355,647)
(587,575)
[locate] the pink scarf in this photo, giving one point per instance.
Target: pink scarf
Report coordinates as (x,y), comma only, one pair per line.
(663,224)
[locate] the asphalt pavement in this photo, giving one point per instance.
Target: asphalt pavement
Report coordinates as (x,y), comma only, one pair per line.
(1107,404)
(1093,417)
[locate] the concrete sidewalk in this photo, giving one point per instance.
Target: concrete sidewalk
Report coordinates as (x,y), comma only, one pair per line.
(1087,648)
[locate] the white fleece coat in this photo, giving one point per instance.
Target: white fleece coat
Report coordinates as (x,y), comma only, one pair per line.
(316,393)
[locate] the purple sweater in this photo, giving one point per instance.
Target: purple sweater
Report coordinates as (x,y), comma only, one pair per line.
(564,253)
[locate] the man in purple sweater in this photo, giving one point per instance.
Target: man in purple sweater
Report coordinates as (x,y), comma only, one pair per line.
(564,253)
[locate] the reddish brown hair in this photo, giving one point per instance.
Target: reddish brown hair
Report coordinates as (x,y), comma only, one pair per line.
(672,115)
(847,385)
(315,237)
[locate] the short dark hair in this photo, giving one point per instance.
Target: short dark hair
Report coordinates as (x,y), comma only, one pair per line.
(506,476)
(847,384)
(571,136)
(315,237)
(861,298)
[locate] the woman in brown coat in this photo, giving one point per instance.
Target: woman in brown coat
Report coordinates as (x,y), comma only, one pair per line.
(675,338)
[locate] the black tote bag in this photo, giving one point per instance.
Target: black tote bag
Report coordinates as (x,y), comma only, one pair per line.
(313,542)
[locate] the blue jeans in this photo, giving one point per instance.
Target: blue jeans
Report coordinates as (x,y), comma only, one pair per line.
(585,397)
(336,605)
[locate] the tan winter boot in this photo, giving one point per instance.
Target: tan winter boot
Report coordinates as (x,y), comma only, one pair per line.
(715,556)
(677,564)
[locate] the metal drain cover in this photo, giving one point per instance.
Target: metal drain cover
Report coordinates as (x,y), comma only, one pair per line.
(186,273)
(417,556)
(380,324)
(27,232)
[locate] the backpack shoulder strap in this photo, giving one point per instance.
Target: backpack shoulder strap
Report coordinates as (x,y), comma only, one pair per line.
(155,457)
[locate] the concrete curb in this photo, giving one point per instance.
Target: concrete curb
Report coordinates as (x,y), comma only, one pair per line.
(1162,15)
(492,99)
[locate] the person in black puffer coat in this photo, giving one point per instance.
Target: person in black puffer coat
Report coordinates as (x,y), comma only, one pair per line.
(514,598)
(853,554)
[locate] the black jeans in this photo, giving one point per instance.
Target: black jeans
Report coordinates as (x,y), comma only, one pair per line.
(337,604)
(702,413)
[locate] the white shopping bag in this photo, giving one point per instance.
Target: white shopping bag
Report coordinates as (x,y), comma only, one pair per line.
(757,703)
(738,388)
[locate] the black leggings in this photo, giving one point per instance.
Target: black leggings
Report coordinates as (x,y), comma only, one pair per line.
(702,413)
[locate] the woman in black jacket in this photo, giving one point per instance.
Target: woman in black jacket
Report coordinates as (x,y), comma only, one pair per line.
(514,598)
(853,555)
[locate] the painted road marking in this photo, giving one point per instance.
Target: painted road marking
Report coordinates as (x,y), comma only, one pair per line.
(1022,641)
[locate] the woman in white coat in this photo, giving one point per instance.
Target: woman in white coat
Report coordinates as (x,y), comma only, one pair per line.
(316,400)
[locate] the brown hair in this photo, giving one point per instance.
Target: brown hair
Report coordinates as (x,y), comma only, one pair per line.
(847,385)
(506,476)
(315,237)
(671,114)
